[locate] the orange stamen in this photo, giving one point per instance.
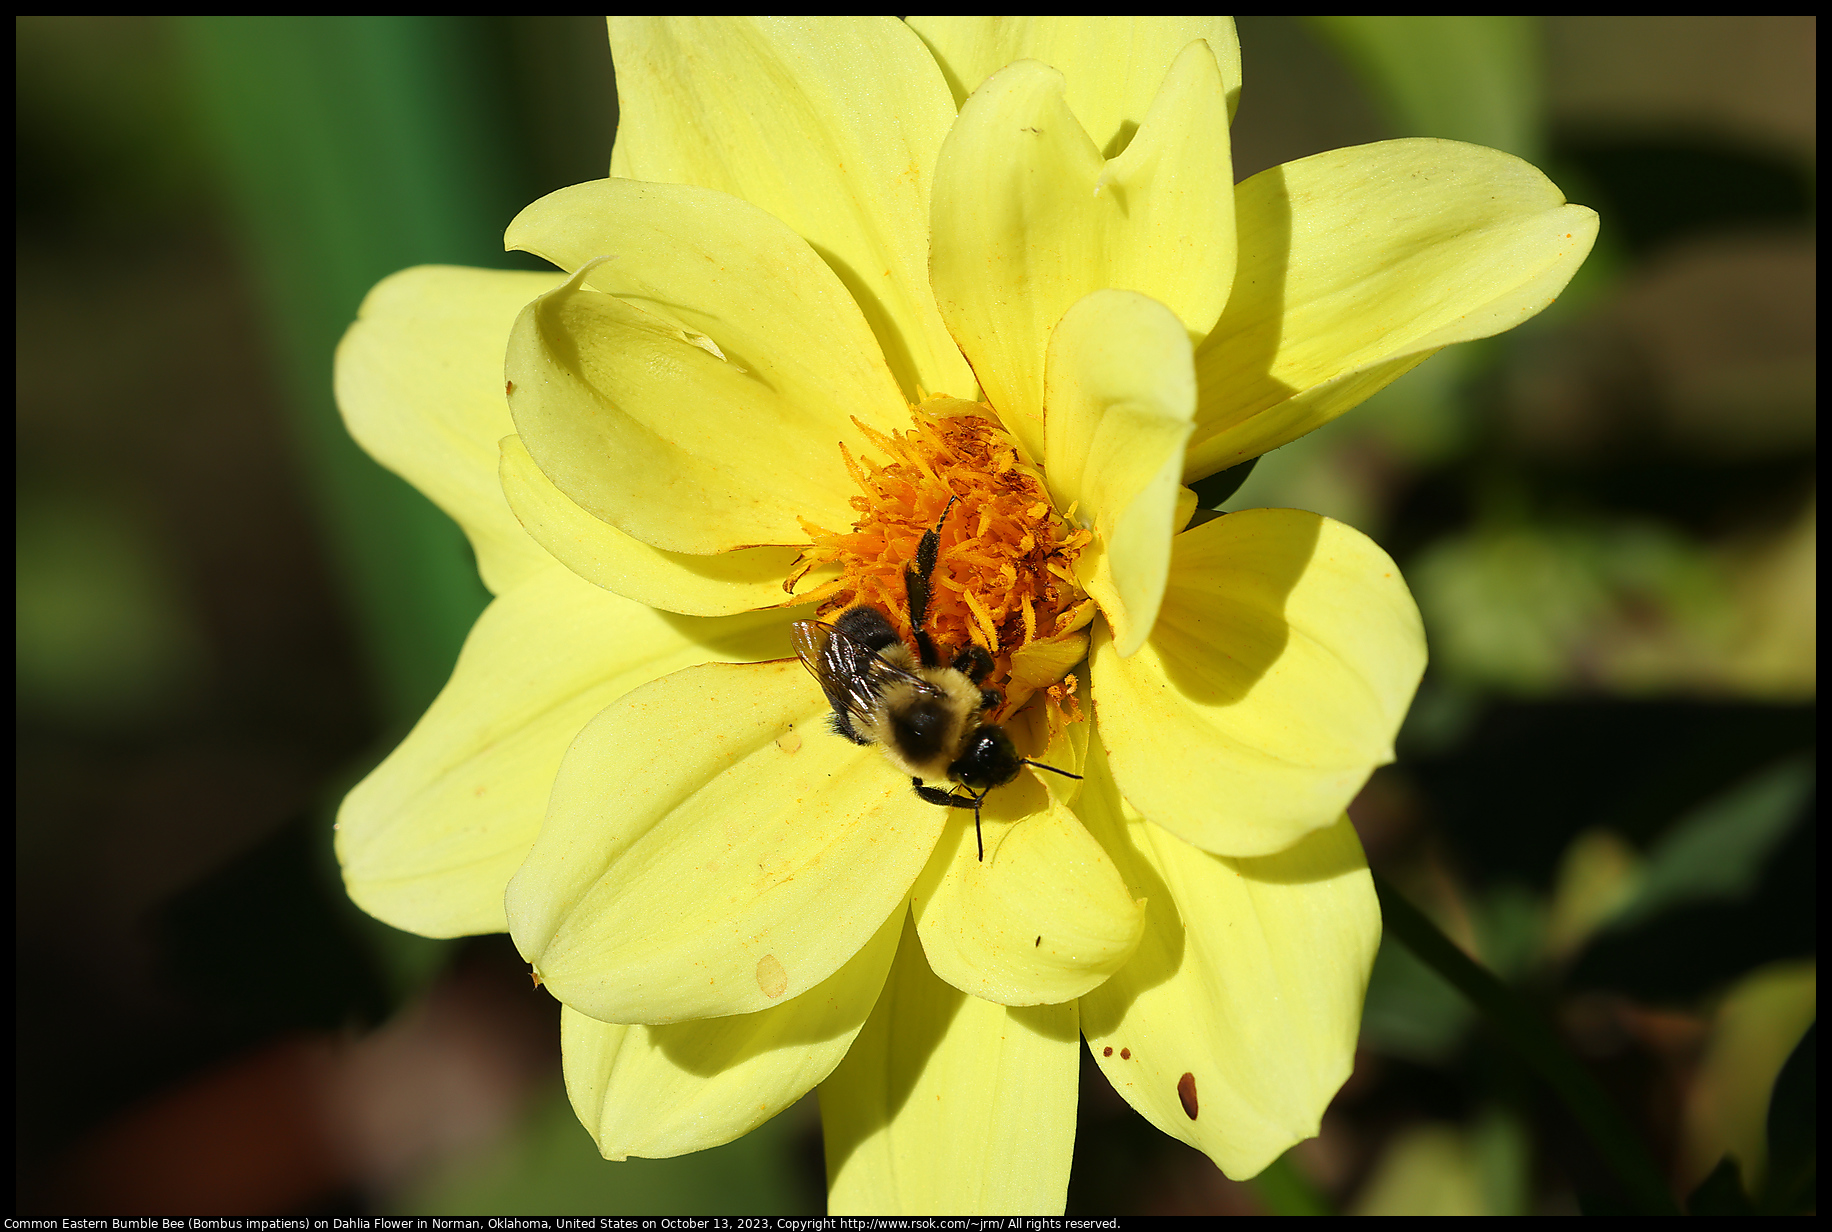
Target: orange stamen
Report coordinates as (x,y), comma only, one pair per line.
(1005,572)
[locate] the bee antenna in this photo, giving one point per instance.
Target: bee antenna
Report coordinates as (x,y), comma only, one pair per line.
(1053,770)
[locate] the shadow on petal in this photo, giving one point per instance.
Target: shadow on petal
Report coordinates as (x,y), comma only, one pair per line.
(1222,625)
(1103,811)
(1317,857)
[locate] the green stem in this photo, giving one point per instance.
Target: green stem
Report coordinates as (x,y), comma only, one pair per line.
(1535,1041)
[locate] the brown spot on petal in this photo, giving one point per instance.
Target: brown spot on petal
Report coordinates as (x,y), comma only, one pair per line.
(772,978)
(1186,1095)
(1106,1052)
(1125,1054)
(1037,942)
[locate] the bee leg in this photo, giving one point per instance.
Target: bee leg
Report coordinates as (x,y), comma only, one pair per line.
(916,577)
(973,662)
(842,725)
(919,604)
(947,799)
(935,795)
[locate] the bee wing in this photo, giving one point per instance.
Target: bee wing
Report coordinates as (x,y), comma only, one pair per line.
(851,674)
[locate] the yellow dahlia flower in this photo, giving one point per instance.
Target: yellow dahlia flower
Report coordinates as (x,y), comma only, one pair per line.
(844,272)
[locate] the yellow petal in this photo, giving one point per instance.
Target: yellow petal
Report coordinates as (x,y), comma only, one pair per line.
(1284,657)
(692,386)
(949,1105)
(1120,398)
(1235,1022)
(1113,65)
(1028,218)
(709,849)
(1357,264)
(830,124)
(1039,664)
(1186,508)
(431,837)
(721,585)
(1042,919)
(657,1092)
(419,380)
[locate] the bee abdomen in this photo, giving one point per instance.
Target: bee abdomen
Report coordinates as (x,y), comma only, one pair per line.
(921,730)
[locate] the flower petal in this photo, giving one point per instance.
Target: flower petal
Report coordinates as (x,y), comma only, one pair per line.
(692,386)
(832,125)
(1120,400)
(951,1105)
(1235,1022)
(721,585)
(1283,660)
(420,383)
(430,838)
(702,857)
(1114,65)
(657,1092)
(1041,920)
(1028,218)
(1357,264)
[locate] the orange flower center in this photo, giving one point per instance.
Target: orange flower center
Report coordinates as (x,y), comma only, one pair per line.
(1005,574)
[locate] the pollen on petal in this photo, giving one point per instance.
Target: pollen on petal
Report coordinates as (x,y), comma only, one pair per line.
(1005,572)
(1061,706)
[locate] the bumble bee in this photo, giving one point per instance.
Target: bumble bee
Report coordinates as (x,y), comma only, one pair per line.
(927,717)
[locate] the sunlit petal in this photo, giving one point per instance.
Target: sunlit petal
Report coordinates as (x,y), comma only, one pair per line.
(1357,264)
(431,837)
(717,585)
(656,1092)
(700,858)
(1285,655)
(1114,65)
(951,1105)
(1235,1022)
(1120,400)
(1029,217)
(1042,919)
(830,124)
(681,384)
(419,380)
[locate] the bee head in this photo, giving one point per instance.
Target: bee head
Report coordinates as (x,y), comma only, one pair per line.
(987,760)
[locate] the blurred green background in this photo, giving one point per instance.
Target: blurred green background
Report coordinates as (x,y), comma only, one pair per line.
(226,614)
